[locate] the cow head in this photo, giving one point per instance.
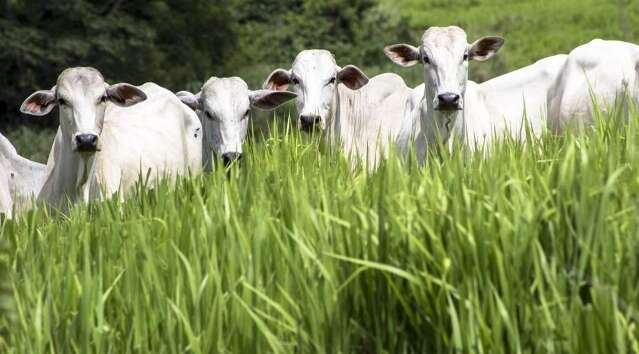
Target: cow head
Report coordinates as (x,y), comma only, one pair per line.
(314,77)
(81,96)
(224,107)
(445,54)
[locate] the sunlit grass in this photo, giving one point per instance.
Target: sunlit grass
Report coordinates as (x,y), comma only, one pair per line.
(532,249)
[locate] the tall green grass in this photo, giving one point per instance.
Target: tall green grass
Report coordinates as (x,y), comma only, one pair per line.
(533,249)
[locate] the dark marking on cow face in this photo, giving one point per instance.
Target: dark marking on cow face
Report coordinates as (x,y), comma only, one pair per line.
(196,132)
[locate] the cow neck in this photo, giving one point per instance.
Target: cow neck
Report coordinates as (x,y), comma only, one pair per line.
(432,119)
(343,121)
(72,176)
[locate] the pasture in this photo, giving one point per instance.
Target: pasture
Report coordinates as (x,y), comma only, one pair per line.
(531,250)
(527,248)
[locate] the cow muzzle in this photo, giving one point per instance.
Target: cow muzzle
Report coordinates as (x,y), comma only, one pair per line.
(448,101)
(308,122)
(86,142)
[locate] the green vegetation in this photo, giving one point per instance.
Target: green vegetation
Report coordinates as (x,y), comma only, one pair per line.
(530,250)
(178,44)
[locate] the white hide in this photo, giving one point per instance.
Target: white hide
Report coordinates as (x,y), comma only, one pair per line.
(606,71)
(511,105)
(362,116)
(160,137)
(20,179)
(519,98)
(157,138)
(473,115)
(81,96)
(223,106)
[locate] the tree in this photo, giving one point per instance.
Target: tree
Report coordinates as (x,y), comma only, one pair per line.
(164,41)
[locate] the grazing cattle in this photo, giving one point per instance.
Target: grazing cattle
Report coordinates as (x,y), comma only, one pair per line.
(223,106)
(604,71)
(453,108)
(101,147)
(20,179)
(362,116)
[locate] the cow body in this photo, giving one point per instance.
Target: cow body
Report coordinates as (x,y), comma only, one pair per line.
(365,122)
(20,179)
(604,71)
(520,97)
(511,105)
(157,138)
(452,108)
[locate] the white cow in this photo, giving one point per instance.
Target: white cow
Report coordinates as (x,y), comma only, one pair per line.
(102,147)
(452,108)
(223,106)
(604,71)
(154,139)
(20,179)
(361,116)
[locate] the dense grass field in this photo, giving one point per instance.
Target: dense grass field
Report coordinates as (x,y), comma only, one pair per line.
(533,249)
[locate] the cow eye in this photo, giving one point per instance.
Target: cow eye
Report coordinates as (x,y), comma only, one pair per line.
(103,99)
(332,81)
(295,81)
(62,102)
(248,111)
(425,59)
(208,115)
(465,56)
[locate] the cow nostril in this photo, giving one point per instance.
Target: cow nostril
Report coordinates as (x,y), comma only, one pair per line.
(310,119)
(309,122)
(449,98)
(86,142)
(448,101)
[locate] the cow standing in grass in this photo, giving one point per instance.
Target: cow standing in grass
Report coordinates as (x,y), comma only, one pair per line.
(20,179)
(452,108)
(110,135)
(361,116)
(598,75)
(224,106)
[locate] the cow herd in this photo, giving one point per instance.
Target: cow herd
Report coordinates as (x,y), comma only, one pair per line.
(111,135)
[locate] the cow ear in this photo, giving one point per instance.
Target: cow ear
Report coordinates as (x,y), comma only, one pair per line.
(485,48)
(402,54)
(40,103)
(190,100)
(352,77)
(269,99)
(278,80)
(125,95)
